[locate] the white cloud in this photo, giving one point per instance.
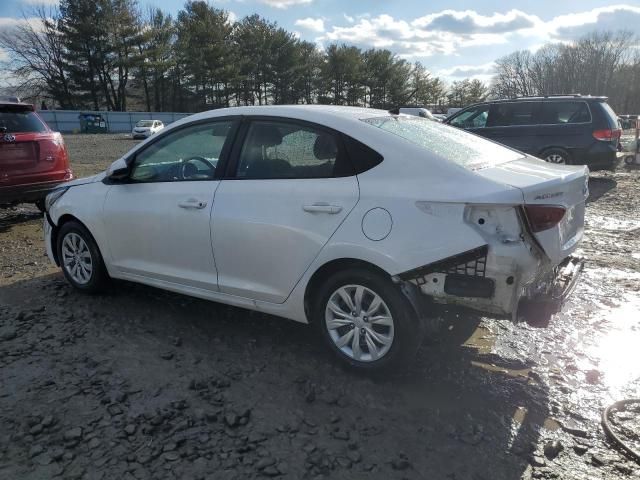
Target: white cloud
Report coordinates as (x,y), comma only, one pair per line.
(469,21)
(348,18)
(283,4)
(8,23)
(614,17)
(42,2)
(314,24)
(466,71)
(450,32)
(232,16)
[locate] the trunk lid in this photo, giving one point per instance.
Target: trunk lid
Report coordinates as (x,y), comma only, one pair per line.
(542,183)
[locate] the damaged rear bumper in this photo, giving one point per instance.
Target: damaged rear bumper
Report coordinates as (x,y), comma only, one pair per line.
(504,280)
(537,309)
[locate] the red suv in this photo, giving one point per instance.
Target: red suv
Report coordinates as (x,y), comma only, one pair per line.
(33,159)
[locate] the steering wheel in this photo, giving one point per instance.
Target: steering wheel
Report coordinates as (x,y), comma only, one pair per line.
(189,161)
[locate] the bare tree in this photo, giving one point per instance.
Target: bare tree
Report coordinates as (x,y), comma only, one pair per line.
(36,55)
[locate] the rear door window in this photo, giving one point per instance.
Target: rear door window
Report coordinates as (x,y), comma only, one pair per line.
(514,114)
(560,113)
(19,120)
(279,149)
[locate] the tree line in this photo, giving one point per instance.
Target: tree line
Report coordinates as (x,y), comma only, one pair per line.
(600,63)
(109,54)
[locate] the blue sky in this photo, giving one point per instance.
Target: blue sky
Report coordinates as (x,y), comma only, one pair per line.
(453,39)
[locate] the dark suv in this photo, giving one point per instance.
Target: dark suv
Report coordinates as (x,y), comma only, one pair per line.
(571,129)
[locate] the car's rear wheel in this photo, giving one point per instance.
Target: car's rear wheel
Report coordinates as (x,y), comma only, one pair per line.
(80,258)
(367,320)
(557,156)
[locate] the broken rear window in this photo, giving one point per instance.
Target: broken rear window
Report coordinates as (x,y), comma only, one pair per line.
(467,150)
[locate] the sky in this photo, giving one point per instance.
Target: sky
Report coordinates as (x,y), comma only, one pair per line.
(453,39)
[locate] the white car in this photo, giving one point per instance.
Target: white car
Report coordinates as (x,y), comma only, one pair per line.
(417,111)
(146,128)
(355,220)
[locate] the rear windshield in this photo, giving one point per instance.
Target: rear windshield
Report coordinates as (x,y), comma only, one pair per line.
(145,123)
(18,120)
(470,151)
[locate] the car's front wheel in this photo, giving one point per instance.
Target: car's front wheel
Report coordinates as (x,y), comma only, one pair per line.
(80,258)
(367,320)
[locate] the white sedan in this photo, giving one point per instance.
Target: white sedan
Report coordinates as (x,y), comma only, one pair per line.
(146,128)
(355,220)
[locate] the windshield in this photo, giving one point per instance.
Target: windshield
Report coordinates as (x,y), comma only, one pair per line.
(145,123)
(17,120)
(465,149)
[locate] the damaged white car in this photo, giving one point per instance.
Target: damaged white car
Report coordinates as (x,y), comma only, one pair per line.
(355,220)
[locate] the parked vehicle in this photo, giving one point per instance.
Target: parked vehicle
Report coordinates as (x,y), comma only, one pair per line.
(33,159)
(146,128)
(417,111)
(354,220)
(565,129)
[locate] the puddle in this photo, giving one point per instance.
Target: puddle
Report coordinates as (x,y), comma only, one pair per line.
(616,353)
(612,224)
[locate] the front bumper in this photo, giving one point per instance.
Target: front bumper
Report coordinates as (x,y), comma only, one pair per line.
(48,230)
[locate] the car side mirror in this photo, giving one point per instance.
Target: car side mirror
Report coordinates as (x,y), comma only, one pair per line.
(118,170)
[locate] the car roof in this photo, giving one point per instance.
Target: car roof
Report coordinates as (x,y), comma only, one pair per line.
(312,113)
(549,98)
(8,103)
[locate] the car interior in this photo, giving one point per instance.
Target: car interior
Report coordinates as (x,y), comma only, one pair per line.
(283,151)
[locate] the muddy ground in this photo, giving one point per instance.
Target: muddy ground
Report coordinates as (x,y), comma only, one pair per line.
(139,383)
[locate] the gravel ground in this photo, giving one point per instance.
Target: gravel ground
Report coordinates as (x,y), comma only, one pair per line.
(140,383)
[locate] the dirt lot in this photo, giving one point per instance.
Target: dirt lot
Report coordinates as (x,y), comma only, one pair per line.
(140,383)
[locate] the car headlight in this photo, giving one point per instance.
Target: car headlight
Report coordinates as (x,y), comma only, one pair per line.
(53,196)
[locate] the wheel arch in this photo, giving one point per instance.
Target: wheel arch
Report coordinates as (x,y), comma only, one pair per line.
(419,304)
(55,229)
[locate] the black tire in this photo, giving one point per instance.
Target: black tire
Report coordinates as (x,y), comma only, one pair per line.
(408,330)
(557,152)
(98,278)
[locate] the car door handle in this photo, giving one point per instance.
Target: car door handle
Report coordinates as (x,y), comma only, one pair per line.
(192,203)
(322,208)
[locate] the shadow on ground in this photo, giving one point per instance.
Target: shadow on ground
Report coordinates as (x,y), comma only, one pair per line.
(178,387)
(598,186)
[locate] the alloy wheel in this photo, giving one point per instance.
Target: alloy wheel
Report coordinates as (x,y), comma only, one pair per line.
(555,158)
(359,323)
(76,258)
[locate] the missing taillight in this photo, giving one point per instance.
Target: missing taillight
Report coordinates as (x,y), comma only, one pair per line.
(543,217)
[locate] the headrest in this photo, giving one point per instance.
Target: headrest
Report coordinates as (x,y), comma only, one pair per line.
(266,135)
(325,147)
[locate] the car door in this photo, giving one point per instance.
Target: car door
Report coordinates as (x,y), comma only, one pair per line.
(565,124)
(290,189)
(157,220)
(515,124)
